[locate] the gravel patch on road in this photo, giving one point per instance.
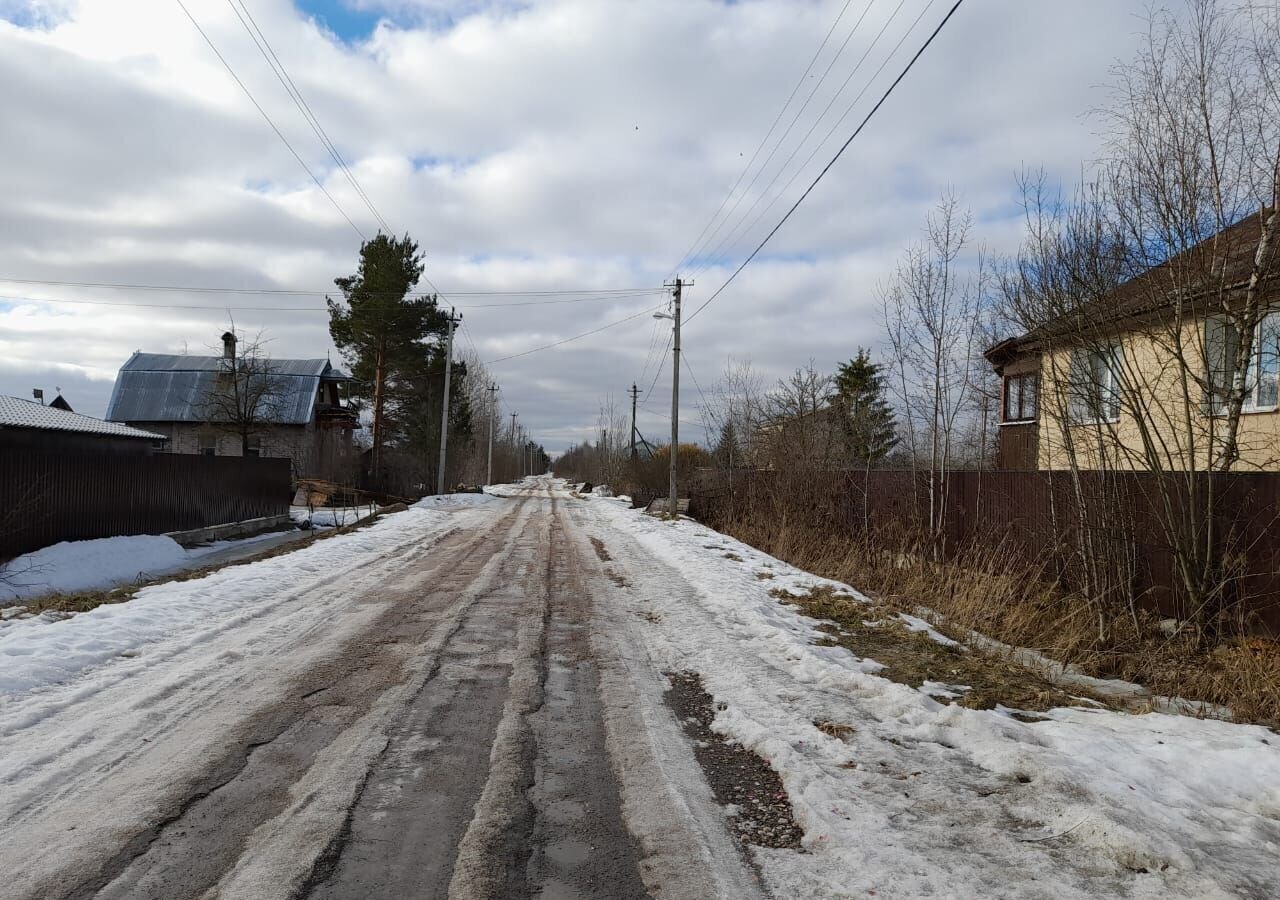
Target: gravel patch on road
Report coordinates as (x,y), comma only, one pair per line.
(742,782)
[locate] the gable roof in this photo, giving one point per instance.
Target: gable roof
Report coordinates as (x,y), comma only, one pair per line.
(18,413)
(164,387)
(1226,259)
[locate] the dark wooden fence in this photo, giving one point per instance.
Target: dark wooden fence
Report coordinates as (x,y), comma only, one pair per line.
(1036,516)
(47,498)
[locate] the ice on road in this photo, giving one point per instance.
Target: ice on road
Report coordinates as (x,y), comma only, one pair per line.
(466,699)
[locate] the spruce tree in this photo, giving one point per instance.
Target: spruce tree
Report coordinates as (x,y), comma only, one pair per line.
(869,426)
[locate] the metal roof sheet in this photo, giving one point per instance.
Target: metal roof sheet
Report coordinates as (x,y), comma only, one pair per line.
(174,362)
(162,387)
(18,413)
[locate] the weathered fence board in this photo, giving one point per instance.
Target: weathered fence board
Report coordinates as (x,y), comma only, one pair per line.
(47,498)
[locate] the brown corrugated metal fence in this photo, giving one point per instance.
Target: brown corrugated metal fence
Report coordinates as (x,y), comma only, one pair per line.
(1036,515)
(47,498)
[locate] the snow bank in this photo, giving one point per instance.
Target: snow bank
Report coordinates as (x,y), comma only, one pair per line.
(457,501)
(927,799)
(169,618)
(90,565)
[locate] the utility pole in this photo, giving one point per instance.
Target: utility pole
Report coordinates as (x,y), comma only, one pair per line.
(635,392)
(444,406)
(493,417)
(675,386)
(513,443)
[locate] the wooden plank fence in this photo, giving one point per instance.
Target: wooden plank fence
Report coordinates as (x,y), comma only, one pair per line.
(47,498)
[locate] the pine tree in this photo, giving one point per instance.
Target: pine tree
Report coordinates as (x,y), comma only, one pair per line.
(870,429)
(383,334)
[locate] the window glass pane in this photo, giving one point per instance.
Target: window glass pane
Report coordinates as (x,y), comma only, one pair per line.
(1078,388)
(1010,398)
(1222,343)
(1030,387)
(1265,369)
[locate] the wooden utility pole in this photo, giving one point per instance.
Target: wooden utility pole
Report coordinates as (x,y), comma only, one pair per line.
(635,392)
(493,417)
(444,406)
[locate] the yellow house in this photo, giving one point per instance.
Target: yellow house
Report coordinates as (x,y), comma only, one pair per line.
(1177,369)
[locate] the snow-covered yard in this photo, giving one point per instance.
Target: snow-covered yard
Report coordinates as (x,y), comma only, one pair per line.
(909,796)
(73,566)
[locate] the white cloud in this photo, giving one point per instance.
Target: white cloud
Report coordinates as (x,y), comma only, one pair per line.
(563,143)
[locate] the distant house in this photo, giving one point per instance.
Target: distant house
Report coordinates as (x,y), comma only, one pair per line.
(287,408)
(31,427)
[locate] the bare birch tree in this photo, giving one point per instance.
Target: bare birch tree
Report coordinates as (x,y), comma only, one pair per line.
(1147,296)
(932,313)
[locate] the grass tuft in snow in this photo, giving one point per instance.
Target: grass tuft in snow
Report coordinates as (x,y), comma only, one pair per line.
(947,672)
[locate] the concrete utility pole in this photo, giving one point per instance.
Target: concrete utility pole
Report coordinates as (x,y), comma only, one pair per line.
(674,316)
(493,417)
(635,392)
(513,440)
(444,406)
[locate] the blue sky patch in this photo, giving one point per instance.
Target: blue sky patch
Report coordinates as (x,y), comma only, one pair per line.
(26,15)
(342,18)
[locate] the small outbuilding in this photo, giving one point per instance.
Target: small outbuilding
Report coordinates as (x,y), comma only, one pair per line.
(31,427)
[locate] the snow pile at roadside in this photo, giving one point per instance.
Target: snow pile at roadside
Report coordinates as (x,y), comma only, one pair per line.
(925,799)
(456,501)
(90,565)
(38,652)
(330,516)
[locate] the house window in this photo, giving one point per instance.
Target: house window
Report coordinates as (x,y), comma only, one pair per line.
(1020,396)
(1260,382)
(1094,390)
(208,445)
(253,446)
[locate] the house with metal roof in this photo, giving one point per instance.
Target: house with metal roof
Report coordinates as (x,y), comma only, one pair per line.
(229,406)
(33,427)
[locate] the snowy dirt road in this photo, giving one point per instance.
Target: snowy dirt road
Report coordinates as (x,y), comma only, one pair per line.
(428,724)
(474,699)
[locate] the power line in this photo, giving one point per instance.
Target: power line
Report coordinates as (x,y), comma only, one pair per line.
(203,289)
(839,153)
(318,309)
(786,133)
(658,372)
(778,118)
(296,292)
(258,107)
(282,74)
(730,239)
(739,230)
(567,340)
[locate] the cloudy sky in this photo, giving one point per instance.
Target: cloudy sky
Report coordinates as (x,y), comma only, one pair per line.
(544,145)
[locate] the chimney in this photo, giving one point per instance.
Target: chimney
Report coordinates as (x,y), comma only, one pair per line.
(228,345)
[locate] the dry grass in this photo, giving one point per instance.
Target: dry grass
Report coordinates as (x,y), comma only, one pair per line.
(988,591)
(873,630)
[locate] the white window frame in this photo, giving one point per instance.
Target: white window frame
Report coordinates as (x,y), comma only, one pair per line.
(1270,322)
(1253,382)
(1108,390)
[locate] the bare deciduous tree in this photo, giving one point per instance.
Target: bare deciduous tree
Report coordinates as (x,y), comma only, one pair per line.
(932,311)
(248,394)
